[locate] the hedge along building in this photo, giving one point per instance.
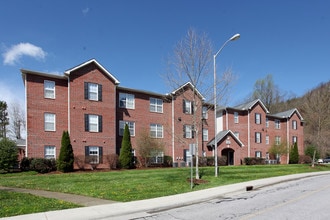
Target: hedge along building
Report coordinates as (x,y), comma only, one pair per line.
(88,102)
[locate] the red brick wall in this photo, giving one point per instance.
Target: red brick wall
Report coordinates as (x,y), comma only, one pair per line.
(79,106)
(37,105)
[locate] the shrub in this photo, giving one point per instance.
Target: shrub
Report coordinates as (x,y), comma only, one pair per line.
(222,161)
(66,158)
(113,161)
(8,154)
(310,152)
(168,161)
(254,161)
(305,159)
(25,164)
(42,165)
(126,158)
(80,161)
(294,155)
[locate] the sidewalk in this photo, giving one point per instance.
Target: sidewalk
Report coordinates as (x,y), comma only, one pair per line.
(77,199)
(135,209)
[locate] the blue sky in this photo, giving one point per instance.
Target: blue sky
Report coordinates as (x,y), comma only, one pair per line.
(131,39)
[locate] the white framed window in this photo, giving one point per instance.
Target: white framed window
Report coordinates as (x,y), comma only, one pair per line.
(49,89)
(258,118)
(267,122)
(236,133)
(294,125)
(277,140)
(93,123)
(156,105)
(277,124)
(258,154)
(236,117)
(93,154)
(156,157)
(188,131)
(267,139)
(93,91)
(50,152)
(49,119)
(187,107)
(126,101)
(294,139)
(205,114)
(156,130)
(258,137)
(131,127)
(205,134)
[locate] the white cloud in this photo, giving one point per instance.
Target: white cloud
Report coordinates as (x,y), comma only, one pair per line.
(85,11)
(13,54)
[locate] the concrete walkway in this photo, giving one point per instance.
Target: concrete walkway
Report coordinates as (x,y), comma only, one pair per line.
(136,209)
(77,199)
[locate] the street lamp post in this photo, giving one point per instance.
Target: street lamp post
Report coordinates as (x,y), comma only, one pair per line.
(234,37)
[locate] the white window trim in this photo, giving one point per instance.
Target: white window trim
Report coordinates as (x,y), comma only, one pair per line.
(157,129)
(188,131)
(131,127)
(126,100)
(205,113)
(90,91)
(91,150)
(277,124)
(236,118)
(156,104)
(188,106)
(49,152)
(48,122)
(51,89)
(92,123)
(205,134)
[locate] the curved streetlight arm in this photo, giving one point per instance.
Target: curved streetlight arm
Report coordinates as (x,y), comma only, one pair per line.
(234,37)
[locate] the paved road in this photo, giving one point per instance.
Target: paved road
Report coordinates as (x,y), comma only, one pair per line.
(299,199)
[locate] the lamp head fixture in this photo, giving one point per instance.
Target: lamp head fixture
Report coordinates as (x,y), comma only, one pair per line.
(235,37)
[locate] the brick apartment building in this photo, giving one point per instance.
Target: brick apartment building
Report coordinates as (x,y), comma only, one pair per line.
(88,102)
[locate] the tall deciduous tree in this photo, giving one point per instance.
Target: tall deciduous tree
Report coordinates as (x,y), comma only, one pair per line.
(126,158)
(266,90)
(17,120)
(66,158)
(4,120)
(192,61)
(315,109)
(148,147)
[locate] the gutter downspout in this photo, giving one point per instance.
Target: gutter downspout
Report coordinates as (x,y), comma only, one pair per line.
(287,141)
(69,122)
(227,126)
(249,144)
(26,121)
(173,156)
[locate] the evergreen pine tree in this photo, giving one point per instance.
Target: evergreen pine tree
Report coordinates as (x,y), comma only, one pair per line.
(294,154)
(66,158)
(125,156)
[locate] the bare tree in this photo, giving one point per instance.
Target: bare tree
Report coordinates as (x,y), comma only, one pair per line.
(17,124)
(192,62)
(316,111)
(148,148)
(4,119)
(266,90)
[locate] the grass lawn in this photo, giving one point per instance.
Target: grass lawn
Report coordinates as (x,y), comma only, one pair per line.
(12,203)
(127,185)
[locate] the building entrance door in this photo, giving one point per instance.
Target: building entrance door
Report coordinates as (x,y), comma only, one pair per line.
(229,153)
